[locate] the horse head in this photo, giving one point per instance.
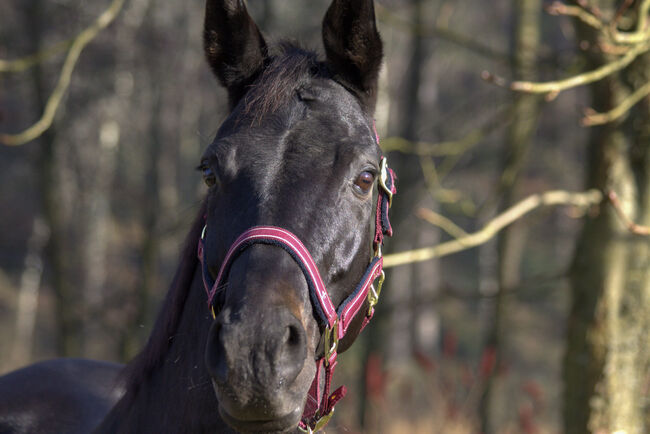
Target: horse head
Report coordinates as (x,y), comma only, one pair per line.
(297,154)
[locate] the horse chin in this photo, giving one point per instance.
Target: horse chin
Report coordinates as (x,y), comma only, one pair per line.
(285,423)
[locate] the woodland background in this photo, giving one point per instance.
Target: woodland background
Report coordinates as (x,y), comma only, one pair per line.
(543,326)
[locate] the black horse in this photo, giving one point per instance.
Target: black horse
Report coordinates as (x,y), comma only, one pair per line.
(297,152)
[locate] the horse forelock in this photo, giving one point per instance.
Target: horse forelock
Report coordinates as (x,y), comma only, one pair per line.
(287,70)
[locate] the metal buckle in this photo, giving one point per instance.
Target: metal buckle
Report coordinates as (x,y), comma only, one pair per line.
(382,180)
(331,341)
(321,421)
(373,295)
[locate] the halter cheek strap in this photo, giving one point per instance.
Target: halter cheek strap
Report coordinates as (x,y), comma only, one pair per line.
(335,321)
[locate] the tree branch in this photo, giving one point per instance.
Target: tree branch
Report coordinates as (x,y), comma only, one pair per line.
(593,118)
(629,224)
(55,98)
(24,63)
(449,147)
(559,8)
(575,81)
(517,211)
(629,45)
(445,33)
(442,222)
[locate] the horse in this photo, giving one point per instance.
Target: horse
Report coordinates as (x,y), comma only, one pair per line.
(282,266)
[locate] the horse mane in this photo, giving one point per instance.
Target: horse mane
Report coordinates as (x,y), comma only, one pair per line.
(152,354)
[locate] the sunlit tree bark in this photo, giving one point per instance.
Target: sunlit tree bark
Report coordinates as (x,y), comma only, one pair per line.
(607,361)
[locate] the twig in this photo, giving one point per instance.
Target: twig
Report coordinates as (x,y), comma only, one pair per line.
(449,147)
(55,98)
(640,34)
(629,224)
(642,22)
(441,32)
(593,118)
(577,80)
(550,198)
(24,63)
(559,8)
(592,18)
(619,13)
(594,10)
(442,222)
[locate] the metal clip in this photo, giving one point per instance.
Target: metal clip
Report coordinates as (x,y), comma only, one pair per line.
(383,176)
(323,420)
(331,341)
(320,423)
(378,252)
(373,294)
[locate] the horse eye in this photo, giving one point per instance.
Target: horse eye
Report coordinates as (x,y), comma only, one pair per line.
(364,181)
(208,176)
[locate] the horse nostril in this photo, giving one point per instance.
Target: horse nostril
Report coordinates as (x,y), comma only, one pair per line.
(293,351)
(293,336)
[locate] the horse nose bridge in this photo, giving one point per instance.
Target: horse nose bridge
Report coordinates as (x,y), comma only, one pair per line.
(259,341)
(268,275)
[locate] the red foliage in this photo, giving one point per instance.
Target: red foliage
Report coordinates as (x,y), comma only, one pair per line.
(424,361)
(535,392)
(449,344)
(488,360)
(375,377)
(526,419)
(467,376)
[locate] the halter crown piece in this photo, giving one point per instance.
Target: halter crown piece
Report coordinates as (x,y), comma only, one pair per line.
(335,321)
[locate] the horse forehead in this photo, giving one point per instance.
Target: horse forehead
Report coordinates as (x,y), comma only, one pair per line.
(337,102)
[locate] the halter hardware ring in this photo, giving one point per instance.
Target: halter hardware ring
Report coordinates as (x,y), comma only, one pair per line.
(331,341)
(383,176)
(378,253)
(323,420)
(373,295)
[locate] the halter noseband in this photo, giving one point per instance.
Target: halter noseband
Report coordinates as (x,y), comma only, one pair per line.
(335,321)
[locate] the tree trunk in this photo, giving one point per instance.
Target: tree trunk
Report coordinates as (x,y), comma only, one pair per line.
(67,336)
(526,40)
(137,333)
(392,332)
(607,361)
(30,283)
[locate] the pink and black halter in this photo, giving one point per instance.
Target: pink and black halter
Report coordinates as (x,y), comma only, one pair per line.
(334,320)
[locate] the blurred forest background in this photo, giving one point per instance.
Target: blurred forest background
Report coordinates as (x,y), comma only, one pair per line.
(540,320)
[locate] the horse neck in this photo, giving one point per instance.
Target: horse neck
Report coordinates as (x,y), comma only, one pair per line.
(176,394)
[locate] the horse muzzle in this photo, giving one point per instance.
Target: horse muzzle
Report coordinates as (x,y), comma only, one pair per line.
(259,370)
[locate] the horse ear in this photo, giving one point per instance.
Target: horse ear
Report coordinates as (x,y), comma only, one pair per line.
(353,47)
(234,46)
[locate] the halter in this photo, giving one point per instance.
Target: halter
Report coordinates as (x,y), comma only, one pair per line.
(335,321)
